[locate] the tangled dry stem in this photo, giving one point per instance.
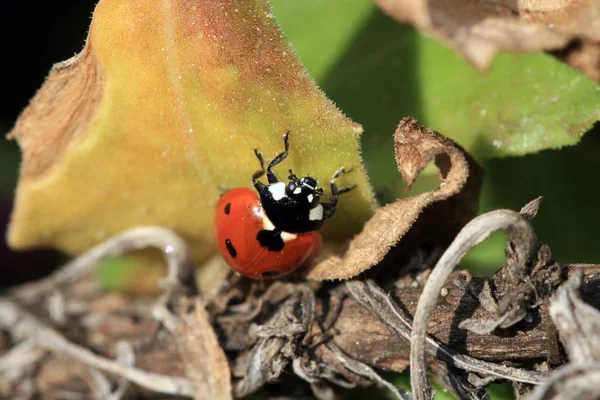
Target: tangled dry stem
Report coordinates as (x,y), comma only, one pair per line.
(300,326)
(179,279)
(523,238)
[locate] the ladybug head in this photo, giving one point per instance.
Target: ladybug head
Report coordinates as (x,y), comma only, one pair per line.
(303,190)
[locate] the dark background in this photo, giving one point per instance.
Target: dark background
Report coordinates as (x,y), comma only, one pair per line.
(35,35)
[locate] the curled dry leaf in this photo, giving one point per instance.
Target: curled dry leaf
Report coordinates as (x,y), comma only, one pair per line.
(205,362)
(164,104)
(531,209)
(478,30)
(431,218)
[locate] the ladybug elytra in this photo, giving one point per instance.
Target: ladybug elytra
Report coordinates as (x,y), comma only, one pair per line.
(273,232)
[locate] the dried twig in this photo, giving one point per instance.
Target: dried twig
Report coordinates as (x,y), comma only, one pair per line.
(388,311)
(366,371)
(521,235)
(23,325)
(172,246)
(15,362)
(126,355)
(590,372)
(101,387)
(577,322)
(277,344)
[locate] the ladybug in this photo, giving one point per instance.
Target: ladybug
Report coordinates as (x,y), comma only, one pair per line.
(272,231)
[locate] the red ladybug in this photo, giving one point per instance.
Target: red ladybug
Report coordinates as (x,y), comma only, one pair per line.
(273,232)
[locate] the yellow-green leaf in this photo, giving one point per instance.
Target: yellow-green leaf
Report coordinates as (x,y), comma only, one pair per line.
(165,103)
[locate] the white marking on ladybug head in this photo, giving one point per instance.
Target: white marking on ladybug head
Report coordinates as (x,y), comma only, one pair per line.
(298,190)
(277,190)
(310,198)
(316,214)
(286,236)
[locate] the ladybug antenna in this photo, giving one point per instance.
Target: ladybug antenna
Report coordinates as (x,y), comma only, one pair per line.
(292,176)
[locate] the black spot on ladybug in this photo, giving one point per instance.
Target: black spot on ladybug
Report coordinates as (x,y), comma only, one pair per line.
(270,239)
(232,251)
(227,208)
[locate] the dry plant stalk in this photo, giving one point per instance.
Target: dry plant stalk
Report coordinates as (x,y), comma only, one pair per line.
(326,352)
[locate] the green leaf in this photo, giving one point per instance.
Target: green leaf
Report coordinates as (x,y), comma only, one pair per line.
(525,103)
(331,28)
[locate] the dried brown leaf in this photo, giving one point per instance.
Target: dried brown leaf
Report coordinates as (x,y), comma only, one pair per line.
(531,209)
(456,203)
(478,30)
(205,362)
(577,322)
(583,55)
(79,82)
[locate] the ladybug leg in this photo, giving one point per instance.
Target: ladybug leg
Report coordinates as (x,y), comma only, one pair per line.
(271,177)
(258,184)
(329,207)
(335,191)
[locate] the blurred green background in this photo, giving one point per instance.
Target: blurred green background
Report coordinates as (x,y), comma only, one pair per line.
(378,71)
